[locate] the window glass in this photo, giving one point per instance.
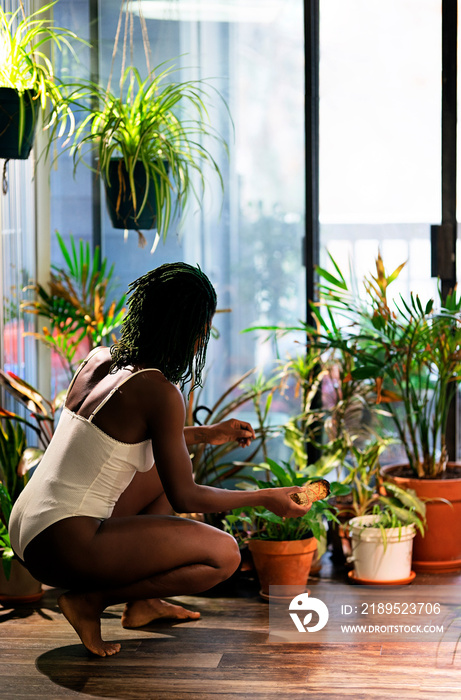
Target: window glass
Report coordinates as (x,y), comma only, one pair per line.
(17,262)
(18,269)
(380,133)
(248,240)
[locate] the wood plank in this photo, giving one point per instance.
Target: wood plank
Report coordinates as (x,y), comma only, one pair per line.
(223,656)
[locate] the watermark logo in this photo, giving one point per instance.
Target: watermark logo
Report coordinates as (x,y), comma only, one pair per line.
(305,603)
(340,613)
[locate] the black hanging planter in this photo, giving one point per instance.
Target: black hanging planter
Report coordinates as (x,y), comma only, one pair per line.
(10,148)
(120,202)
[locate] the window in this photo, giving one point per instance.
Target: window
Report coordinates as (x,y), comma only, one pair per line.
(17,263)
(249,242)
(380,135)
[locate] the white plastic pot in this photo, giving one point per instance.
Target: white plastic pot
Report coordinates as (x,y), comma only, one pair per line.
(379,556)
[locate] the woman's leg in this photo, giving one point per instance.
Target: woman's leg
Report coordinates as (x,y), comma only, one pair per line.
(145,495)
(126,559)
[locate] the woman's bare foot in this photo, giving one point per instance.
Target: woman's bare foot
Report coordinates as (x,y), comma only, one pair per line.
(141,612)
(83,611)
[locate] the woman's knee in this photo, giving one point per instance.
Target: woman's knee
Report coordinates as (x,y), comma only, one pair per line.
(228,554)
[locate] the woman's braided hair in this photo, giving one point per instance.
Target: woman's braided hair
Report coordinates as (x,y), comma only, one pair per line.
(168,323)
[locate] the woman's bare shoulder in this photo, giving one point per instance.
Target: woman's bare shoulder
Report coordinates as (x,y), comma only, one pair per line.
(149,380)
(154,390)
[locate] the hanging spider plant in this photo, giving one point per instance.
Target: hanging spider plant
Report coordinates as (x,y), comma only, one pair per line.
(154,131)
(27,81)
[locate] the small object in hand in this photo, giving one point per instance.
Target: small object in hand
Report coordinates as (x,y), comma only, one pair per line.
(314,491)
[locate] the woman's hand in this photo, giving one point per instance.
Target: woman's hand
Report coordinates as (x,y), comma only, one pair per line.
(279,502)
(229,431)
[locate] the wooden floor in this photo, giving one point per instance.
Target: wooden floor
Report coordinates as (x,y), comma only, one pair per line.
(226,654)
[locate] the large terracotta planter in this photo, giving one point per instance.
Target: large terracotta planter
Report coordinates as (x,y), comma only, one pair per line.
(440,548)
(282,563)
(20,588)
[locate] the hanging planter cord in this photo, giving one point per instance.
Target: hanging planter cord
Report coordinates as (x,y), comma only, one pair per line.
(128,28)
(5,176)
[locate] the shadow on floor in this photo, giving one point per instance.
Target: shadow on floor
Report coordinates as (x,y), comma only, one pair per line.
(144,665)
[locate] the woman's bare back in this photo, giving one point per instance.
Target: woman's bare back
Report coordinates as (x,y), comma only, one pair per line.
(123,416)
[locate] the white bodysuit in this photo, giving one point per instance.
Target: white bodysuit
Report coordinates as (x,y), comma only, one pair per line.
(83,472)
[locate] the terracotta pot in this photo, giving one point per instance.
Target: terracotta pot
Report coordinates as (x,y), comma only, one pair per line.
(282,563)
(440,548)
(20,588)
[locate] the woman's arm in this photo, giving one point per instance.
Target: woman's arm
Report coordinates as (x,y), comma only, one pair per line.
(219,433)
(165,418)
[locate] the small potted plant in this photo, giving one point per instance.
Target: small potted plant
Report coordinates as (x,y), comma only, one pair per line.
(382,538)
(148,140)
(283,548)
(28,84)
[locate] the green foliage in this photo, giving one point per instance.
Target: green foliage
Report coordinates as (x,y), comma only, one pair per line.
(259,523)
(362,468)
(40,410)
(410,355)
(210,463)
(395,509)
(401,506)
(14,466)
(76,304)
(12,446)
(303,375)
(24,64)
(148,123)
(17,459)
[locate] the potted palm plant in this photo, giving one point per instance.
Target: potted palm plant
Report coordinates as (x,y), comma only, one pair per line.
(410,353)
(149,143)
(283,548)
(28,84)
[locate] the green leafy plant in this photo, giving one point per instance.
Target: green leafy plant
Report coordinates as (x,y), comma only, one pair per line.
(259,523)
(16,457)
(362,474)
(399,507)
(213,464)
(24,65)
(76,303)
(15,462)
(338,411)
(302,376)
(155,122)
(40,413)
(407,350)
